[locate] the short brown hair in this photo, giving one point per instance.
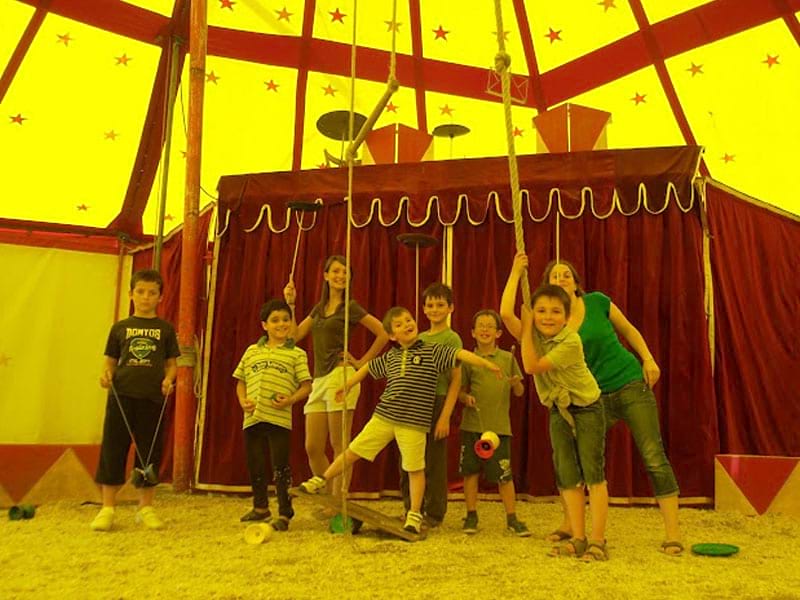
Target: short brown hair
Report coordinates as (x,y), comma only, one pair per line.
(391,314)
(149,275)
(552,291)
(488,312)
(438,290)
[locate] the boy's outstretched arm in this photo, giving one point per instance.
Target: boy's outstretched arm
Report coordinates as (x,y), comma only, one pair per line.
(531,361)
(355,379)
(442,429)
(510,320)
(473,359)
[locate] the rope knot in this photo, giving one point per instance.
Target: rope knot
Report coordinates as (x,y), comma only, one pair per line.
(502,61)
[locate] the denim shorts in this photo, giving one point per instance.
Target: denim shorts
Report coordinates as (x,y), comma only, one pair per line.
(635,404)
(579,459)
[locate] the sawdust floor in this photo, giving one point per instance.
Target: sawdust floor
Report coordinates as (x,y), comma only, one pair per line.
(202,554)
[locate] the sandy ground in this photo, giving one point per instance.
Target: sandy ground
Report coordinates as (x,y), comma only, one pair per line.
(201,554)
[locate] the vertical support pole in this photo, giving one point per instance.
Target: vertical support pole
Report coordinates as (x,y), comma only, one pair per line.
(185,402)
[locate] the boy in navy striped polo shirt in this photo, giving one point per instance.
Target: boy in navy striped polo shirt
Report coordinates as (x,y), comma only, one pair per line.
(404,412)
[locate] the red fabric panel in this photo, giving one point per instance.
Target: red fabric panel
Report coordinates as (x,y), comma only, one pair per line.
(603,171)
(754,261)
(171,272)
(759,478)
(22,465)
(254,267)
(650,265)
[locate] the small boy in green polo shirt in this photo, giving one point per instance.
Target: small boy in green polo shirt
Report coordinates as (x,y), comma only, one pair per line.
(553,354)
(271,376)
(487,403)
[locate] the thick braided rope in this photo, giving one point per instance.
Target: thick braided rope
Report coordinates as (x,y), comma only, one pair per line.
(502,61)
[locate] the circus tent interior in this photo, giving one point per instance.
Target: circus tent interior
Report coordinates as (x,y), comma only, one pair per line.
(656,150)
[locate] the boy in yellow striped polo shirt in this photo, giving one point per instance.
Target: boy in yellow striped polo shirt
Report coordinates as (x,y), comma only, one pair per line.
(272,375)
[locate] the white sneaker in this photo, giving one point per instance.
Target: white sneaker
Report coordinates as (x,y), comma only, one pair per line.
(413,522)
(314,485)
(104,519)
(148,517)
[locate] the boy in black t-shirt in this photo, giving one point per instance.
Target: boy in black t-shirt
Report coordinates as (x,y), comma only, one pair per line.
(140,364)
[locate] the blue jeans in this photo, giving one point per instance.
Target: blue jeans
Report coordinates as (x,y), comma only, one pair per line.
(635,404)
(579,458)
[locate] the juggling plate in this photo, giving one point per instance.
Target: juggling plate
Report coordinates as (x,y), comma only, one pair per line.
(714,549)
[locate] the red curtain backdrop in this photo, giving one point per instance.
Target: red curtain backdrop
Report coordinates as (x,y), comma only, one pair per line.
(168,310)
(755,256)
(650,264)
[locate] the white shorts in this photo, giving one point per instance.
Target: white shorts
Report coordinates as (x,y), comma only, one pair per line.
(377,434)
(322,398)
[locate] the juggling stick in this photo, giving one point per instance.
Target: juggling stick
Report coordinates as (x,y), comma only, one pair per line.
(300,207)
(417,241)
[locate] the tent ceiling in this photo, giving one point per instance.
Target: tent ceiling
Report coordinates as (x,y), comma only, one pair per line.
(82,88)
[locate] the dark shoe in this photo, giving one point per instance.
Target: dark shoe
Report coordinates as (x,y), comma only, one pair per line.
(430,522)
(280,524)
(255,515)
(357,524)
(470,524)
(519,529)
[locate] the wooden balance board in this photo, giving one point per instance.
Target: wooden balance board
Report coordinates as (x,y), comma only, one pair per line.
(378,520)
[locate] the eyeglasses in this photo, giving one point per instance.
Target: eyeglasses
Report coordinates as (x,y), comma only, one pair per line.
(483,327)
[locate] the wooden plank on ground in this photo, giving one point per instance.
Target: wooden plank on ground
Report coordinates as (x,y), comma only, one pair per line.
(369,516)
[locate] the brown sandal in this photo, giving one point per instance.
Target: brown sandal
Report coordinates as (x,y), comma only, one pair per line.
(672,544)
(595,552)
(559,535)
(572,547)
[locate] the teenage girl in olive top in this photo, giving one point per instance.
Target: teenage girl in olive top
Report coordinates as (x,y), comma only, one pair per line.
(626,385)
(325,322)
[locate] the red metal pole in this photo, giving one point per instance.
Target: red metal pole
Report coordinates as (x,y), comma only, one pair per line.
(185,401)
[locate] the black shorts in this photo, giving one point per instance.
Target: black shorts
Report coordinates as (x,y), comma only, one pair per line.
(143,418)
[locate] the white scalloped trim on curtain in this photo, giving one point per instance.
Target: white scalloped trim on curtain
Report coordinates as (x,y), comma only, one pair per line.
(462,204)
